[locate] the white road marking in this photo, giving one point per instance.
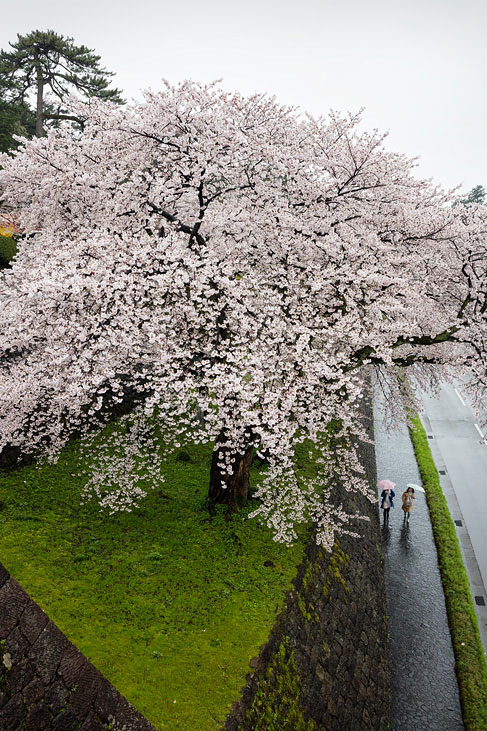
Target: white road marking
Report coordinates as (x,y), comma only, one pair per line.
(460,397)
(478,429)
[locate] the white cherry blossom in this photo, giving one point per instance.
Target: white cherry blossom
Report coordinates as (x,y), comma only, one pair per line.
(234,269)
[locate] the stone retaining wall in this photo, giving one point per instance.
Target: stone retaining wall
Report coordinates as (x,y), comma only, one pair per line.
(325,666)
(45,682)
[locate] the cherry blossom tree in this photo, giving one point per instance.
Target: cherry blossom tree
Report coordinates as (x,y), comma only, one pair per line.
(236,269)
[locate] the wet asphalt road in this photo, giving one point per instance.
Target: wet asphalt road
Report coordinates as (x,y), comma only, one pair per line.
(424,690)
(452,422)
(455,442)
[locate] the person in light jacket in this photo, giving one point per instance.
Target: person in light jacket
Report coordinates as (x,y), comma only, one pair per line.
(407,502)
(387,502)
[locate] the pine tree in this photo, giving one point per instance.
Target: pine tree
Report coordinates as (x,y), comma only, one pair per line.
(476,195)
(45,61)
(15,119)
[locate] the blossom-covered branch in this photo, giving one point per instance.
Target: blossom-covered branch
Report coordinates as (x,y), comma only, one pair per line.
(234,267)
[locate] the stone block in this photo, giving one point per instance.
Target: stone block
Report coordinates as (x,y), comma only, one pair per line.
(13,713)
(71,665)
(332,706)
(21,674)
(65,721)
(83,697)
(47,651)
(33,692)
(39,718)
(32,621)
(17,645)
(106,701)
(127,718)
(4,575)
(12,602)
(91,723)
(56,696)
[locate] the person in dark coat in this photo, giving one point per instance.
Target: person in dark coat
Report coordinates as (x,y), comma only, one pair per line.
(387,502)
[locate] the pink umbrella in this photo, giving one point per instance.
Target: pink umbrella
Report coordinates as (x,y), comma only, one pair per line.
(386,485)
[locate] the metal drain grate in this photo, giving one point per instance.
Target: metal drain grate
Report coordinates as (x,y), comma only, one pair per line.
(459,523)
(480,601)
(430,436)
(442,472)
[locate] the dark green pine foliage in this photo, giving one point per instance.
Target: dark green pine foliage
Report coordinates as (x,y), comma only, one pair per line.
(15,119)
(476,195)
(43,63)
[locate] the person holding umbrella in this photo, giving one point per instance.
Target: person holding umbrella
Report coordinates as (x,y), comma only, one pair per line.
(387,497)
(407,499)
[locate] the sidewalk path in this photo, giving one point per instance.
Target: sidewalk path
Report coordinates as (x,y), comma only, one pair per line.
(424,689)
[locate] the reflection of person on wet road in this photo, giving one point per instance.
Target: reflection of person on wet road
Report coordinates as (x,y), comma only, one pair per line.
(407,502)
(387,502)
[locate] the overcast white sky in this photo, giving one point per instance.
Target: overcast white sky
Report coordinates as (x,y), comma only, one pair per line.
(417,66)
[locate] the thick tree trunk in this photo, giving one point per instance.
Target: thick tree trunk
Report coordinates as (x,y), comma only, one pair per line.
(236,488)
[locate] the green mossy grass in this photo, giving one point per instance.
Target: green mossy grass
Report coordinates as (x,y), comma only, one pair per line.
(275,706)
(470,661)
(8,249)
(169,604)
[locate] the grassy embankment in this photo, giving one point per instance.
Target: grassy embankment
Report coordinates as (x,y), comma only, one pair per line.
(168,604)
(470,660)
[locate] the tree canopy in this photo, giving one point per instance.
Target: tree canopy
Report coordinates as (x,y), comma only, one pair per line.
(45,61)
(15,119)
(476,195)
(239,268)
